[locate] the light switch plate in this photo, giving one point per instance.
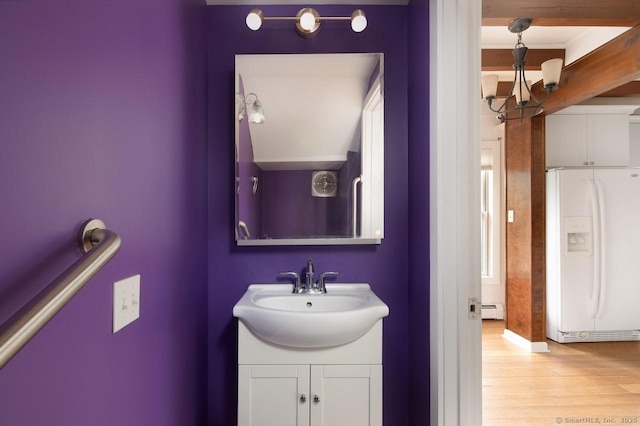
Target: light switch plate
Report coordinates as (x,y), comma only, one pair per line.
(510,216)
(126,302)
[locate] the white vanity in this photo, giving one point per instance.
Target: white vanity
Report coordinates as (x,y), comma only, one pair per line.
(326,367)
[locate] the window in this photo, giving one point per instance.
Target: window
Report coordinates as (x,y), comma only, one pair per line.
(486,216)
(490,197)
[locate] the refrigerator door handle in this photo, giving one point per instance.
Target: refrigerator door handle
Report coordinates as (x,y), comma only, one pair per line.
(595,211)
(603,248)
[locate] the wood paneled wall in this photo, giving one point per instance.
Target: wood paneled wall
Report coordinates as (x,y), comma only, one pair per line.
(525,195)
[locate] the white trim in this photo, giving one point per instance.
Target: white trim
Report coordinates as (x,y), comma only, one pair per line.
(603,106)
(309,241)
(456,368)
(524,343)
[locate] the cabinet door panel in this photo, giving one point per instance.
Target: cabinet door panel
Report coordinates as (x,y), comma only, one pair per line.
(269,395)
(609,140)
(566,140)
(349,395)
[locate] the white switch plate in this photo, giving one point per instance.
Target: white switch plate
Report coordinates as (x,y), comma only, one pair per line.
(126,302)
(510,216)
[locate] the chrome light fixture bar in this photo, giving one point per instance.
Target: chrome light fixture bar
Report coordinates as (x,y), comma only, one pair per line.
(308,20)
(256,111)
(527,104)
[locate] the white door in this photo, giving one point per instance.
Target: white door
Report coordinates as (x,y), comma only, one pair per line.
(620,286)
(454,228)
(273,395)
(346,395)
(372,178)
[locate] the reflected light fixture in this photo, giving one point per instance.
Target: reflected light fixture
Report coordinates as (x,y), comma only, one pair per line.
(308,20)
(527,104)
(256,112)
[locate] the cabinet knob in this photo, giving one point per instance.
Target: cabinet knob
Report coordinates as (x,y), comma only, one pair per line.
(303,398)
(591,163)
(586,163)
(316,398)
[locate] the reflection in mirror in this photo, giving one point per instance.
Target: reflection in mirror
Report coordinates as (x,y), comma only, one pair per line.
(312,171)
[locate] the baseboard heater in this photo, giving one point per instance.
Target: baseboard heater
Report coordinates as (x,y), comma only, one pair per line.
(597,336)
(495,312)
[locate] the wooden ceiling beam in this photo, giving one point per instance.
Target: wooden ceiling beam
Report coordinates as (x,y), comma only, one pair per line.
(606,68)
(504,89)
(562,22)
(626,90)
(502,59)
(618,13)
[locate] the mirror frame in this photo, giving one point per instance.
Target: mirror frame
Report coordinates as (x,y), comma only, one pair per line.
(372,163)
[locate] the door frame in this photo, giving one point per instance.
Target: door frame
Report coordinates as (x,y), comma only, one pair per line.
(455,339)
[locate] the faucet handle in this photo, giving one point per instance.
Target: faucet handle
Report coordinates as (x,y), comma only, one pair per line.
(297,287)
(321,285)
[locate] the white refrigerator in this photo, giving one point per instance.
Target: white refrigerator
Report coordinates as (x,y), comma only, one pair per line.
(593,254)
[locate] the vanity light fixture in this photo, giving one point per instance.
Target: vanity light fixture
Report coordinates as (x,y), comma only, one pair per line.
(256,112)
(308,20)
(527,104)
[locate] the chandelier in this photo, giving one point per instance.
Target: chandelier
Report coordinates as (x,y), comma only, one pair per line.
(526,103)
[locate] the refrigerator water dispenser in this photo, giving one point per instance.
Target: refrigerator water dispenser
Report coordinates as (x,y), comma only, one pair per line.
(578,235)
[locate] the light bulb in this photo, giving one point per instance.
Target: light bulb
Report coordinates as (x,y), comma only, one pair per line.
(521,91)
(358,21)
(256,115)
(254,19)
(307,21)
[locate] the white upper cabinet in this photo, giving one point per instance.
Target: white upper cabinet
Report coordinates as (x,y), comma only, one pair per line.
(566,138)
(587,140)
(608,140)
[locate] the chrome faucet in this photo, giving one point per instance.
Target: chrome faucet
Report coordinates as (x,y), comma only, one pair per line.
(297,285)
(320,285)
(309,280)
(309,286)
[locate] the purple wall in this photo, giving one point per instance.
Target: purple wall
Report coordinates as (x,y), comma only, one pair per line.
(289,210)
(232,269)
(103,114)
(419,209)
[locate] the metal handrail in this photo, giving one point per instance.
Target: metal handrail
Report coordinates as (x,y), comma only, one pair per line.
(99,245)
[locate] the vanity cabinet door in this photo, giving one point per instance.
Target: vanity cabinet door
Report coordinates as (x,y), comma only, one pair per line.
(273,395)
(346,395)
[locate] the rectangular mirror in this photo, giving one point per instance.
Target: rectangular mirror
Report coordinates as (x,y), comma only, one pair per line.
(309,149)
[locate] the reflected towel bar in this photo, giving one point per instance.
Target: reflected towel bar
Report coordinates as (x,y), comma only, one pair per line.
(99,246)
(356,181)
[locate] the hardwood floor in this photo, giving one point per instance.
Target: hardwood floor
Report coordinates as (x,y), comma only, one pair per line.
(578,383)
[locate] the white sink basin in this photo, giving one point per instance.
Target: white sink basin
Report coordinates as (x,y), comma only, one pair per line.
(341,315)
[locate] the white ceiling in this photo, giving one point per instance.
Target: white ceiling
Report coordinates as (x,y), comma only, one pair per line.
(577,42)
(312,106)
